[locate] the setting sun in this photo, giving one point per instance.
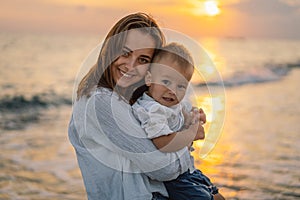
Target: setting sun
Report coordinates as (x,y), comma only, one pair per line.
(206,8)
(211,8)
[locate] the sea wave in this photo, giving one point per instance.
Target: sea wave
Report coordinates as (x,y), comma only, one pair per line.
(270,72)
(18,111)
(13,103)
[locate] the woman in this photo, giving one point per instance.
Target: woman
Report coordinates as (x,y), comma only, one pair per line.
(116,159)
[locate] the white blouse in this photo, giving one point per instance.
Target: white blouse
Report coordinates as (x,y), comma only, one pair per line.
(116,159)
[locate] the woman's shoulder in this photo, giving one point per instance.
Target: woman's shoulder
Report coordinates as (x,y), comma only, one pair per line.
(108,95)
(101,94)
(103,91)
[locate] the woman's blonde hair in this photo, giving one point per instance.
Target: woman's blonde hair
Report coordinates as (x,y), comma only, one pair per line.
(100,74)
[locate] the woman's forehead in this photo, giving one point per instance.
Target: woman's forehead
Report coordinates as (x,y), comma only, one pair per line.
(136,39)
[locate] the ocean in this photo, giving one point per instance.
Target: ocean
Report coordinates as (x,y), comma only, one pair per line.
(256,155)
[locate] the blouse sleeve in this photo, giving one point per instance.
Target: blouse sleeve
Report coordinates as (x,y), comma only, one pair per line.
(109,126)
(154,121)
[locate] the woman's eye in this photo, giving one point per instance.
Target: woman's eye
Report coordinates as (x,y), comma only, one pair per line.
(125,54)
(143,61)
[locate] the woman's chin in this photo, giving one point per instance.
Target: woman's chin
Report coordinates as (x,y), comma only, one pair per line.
(125,82)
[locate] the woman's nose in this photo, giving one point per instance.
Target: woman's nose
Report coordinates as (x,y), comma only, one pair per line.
(130,63)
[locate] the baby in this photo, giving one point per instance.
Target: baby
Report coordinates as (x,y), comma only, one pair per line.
(170,122)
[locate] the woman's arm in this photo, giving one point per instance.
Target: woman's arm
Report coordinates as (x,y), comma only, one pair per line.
(109,123)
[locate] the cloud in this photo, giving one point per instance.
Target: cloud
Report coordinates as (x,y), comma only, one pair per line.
(268,18)
(265,7)
(291,2)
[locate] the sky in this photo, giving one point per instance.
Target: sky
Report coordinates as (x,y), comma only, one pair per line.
(224,18)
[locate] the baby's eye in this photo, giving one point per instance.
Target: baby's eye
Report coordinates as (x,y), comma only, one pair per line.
(166,82)
(182,87)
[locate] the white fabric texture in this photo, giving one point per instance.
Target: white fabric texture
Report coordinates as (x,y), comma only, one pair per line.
(156,119)
(116,158)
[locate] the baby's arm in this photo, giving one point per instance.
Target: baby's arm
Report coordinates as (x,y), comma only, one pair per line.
(178,140)
(154,123)
(185,137)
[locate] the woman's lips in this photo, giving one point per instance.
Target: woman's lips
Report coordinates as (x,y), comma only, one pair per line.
(125,74)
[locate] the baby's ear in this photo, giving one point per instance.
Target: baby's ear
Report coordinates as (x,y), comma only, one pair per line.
(148,80)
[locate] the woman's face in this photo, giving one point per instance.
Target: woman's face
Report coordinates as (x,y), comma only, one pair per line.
(132,65)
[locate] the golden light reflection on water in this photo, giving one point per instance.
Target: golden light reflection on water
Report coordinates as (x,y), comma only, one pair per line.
(215,166)
(209,61)
(214,107)
(212,101)
(212,48)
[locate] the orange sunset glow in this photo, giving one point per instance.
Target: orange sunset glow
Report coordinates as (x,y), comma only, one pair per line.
(213,18)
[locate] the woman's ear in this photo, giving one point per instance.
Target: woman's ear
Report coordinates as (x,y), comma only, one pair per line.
(148,78)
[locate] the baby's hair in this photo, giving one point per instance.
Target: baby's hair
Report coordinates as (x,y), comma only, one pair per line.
(177,52)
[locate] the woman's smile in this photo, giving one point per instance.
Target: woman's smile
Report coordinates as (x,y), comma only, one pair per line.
(126,74)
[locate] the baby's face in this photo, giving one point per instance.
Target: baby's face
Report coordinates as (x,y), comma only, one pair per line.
(169,82)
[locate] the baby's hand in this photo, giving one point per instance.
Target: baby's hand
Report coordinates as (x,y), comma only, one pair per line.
(192,117)
(195,115)
(202,116)
(197,130)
